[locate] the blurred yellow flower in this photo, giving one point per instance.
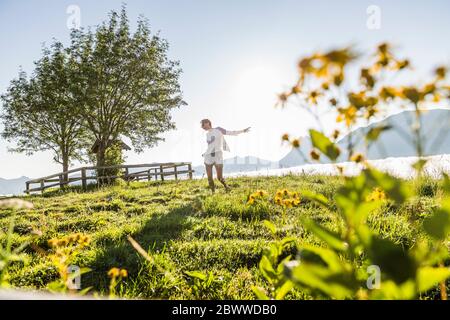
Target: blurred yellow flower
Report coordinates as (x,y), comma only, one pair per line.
(313,96)
(295,90)
(441,72)
(335,134)
(114,272)
(366,78)
(333,102)
(286,198)
(357,157)
(376,194)
(401,64)
(296,143)
(258,194)
(123,273)
(388,93)
(314,154)
(347,114)
(261,193)
(338,79)
(411,94)
(283,97)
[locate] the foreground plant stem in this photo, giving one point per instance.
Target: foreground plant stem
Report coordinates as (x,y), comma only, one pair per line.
(442,286)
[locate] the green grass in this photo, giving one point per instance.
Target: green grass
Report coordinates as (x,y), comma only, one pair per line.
(185,228)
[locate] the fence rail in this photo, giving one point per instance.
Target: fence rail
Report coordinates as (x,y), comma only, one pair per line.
(150,170)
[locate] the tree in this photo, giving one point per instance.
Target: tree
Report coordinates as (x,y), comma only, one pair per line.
(126,85)
(39,113)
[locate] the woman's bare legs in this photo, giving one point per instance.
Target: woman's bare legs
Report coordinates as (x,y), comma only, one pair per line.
(219,171)
(209,173)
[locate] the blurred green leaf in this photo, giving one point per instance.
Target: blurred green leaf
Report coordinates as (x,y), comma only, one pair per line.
(355,212)
(392,259)
(260,294)
(389,290)
(325,145)
(281,264)
(428,277)
(84,291)
(269,225)
(287,241)
(316,197)
(375,132)
(196,274)
(330,237)
(334,282)
(328,256)
(438,224)
(283,290)
(266,268)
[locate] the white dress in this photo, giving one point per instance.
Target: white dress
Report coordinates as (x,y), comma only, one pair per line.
(216,145)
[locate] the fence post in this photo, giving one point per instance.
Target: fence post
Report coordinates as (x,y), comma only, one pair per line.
(27,191)
(42,186)
(190,170)
(148,175)
(175,171)
(161,171)
(60,180)
(127,179)
(83,178)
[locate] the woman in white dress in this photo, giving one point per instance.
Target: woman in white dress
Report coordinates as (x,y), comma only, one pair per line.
(214,154)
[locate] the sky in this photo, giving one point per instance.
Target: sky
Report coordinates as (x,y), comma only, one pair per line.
(236,56)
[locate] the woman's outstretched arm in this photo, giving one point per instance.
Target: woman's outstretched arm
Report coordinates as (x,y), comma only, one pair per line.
(233,132)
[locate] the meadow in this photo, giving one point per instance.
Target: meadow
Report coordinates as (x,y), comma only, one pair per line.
(199,245)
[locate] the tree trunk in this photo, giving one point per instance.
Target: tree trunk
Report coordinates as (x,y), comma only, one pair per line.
(65,168)
(101,163)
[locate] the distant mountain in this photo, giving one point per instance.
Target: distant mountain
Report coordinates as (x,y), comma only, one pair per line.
(241,164)
(399,141)
(12,186)
(396,142)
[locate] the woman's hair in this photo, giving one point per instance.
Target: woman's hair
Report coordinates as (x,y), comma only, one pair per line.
(205,121)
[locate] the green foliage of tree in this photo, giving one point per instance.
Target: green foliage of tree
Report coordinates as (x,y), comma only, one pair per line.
(126,83)
(39,112)
(107,83)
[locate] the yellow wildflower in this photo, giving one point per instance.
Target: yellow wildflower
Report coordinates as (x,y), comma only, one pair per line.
(440,73)
(357,157)
(123,273)
(114,272)
(376,194)
(335,134)
(314,155)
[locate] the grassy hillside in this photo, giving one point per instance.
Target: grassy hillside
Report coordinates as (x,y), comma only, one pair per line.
(185,228)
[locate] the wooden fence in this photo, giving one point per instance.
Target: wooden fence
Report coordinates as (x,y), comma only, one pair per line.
(149,170)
